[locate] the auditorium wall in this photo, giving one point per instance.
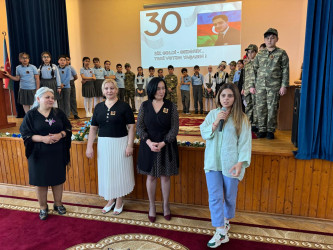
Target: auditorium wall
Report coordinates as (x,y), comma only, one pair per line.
(111,30)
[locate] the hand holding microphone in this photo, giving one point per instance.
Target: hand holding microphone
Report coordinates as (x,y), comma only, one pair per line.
(221,117)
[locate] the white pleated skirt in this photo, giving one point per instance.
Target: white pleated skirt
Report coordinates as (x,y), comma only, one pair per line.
(115,170)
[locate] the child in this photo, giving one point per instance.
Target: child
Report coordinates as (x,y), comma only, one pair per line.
(129,86)
(151,74)
(227,154)
(197,82)
(237,78)
(140,87)
(28,76)
(65,76)
(171,83)
(120,78)
(49,76)
(250,108)
(100,74)
(109,72)
(220,77)
(160,73)
(232,66)
(88,89)
(209,89)
(262,46)
(73,78)
(271,71)
(185,82)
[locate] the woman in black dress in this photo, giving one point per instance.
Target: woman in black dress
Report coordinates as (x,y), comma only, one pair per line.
(46,132)
(157,126)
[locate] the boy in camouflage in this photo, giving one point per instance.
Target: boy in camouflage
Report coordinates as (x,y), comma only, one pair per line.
(271,70)
(129,86)
(250,108)
(232,66)
(171,81)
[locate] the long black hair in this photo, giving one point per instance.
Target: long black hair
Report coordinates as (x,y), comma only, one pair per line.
(152,88)
(41,66)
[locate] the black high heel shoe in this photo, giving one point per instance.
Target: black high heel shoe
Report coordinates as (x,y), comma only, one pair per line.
(43,213)
(60,209)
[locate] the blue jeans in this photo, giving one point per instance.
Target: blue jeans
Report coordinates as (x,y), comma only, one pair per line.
(222,192)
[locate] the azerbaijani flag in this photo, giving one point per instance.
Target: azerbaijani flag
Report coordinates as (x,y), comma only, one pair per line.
(6,62)
(206,34)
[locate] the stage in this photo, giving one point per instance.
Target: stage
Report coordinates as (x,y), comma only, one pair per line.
(275,183)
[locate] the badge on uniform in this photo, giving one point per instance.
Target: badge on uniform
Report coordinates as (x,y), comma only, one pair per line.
(165,110)
(48,68)
(27,72)
(90,71)
(63,72)
(272,56)
(171,79)
(113,113)
(100,70)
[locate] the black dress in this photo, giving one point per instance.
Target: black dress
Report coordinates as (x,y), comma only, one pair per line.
(158,127)
(47,162)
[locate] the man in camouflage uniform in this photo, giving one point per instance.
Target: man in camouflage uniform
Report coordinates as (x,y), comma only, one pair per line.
(232,66)
(129,86)
(271,69)
(248,82)
(171,81)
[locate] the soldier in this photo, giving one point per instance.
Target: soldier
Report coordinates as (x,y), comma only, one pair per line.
(250,108)
(171,81)
(232,66)
(129,86)
(271,69)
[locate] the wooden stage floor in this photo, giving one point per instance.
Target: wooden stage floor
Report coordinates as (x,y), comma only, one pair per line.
(281,143)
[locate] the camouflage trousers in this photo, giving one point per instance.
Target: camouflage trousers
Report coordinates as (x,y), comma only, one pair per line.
(129,96)
(267,103)
(250,109)
(172,97)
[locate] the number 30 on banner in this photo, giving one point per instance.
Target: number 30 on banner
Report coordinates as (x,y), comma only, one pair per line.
(161,25)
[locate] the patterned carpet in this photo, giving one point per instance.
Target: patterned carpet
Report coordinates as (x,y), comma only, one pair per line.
(84,227)
(188,126)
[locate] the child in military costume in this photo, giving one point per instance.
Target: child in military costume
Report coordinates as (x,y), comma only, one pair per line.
(129,86)
(171,81)
(271,70)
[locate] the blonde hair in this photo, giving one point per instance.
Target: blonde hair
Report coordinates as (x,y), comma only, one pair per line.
(236,113)
(109,81)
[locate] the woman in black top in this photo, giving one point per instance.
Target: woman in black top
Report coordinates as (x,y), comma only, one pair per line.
(115,122)
(157,126)
(46,132)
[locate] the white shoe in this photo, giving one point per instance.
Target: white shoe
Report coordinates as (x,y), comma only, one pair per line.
(218,239)
(117,211)
(87,114)
(108,209)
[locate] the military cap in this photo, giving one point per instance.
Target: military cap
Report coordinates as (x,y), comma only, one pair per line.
(233,63)
(127,65)
(252,47)
(271,31)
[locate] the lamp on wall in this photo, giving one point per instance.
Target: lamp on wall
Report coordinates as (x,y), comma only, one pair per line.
(154,5)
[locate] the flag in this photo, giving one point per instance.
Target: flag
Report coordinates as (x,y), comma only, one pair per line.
(6,62)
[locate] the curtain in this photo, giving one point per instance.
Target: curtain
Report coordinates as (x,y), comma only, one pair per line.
(315,129)
(33,27)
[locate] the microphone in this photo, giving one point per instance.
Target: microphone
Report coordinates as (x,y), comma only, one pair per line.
(221,121)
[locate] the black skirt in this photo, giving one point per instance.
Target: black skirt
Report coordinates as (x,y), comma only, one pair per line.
(52,84)
(98,87)
(26,96)
(88,89)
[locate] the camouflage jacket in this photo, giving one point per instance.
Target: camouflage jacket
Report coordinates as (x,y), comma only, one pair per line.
(129,81)
(271,69)
(231,76)
(171,81)
(248,77)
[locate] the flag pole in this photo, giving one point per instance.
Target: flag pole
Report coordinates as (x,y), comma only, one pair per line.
(9,91)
